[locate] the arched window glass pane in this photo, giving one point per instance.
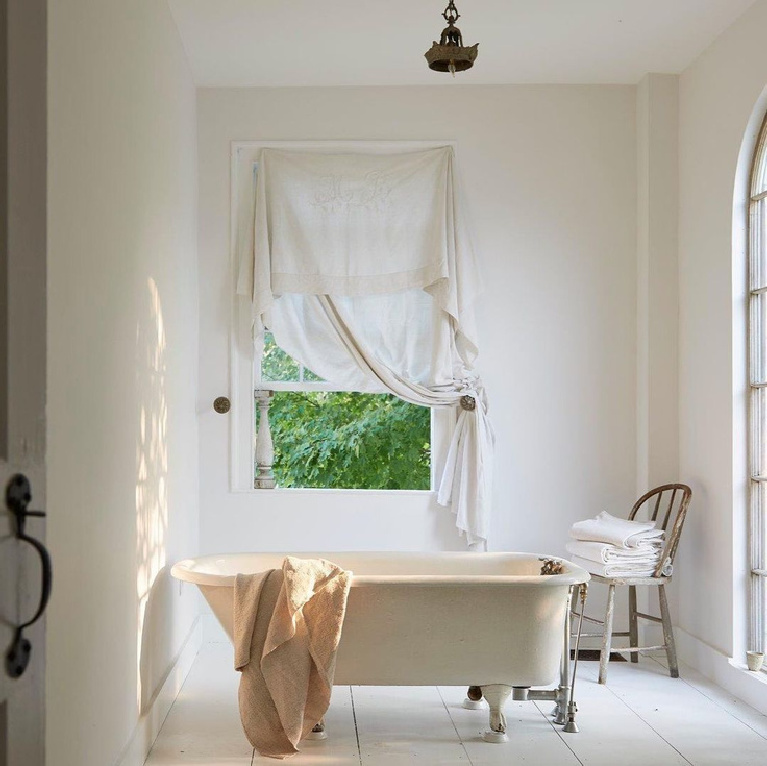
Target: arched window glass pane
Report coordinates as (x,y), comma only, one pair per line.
(757,364)
(759,174)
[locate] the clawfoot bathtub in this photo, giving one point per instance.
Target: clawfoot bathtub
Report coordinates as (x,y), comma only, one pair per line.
(488,620)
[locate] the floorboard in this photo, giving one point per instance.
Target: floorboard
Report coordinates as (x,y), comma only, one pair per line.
(641,718)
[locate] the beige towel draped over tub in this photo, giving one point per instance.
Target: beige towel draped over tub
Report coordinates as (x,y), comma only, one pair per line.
(287,626)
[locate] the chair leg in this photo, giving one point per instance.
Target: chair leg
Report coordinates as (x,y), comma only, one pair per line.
(604,656)
(633,631)
(668,632)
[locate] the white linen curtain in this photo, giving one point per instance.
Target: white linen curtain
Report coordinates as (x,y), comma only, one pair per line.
(362,270)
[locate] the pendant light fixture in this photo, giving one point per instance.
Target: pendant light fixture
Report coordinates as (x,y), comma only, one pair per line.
(449,54)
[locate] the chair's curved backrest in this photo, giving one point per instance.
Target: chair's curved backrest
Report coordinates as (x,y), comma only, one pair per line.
(668,514)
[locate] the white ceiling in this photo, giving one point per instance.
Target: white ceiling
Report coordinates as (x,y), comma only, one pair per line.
(362,42)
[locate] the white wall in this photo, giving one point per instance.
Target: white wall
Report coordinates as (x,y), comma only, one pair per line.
(122,367)
(718,106)
(657,281)
(550,179)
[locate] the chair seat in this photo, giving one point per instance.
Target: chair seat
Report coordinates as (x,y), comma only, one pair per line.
(630,580)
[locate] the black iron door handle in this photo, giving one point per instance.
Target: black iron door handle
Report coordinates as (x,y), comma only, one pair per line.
(18,495)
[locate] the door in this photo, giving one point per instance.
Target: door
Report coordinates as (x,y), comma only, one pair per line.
(22,362)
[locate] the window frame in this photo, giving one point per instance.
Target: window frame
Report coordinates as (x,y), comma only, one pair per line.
(437,422)
(757,393)
(245,372)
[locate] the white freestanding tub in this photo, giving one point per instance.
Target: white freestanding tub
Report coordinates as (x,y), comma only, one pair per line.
(420,619)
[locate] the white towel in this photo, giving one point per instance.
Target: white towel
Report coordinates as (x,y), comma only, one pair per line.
(623,569)
(608,529)
(604,553)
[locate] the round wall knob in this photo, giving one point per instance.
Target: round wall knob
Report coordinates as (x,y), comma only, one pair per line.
(222,405)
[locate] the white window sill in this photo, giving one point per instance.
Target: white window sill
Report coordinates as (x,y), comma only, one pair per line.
(759,676)
(316,490)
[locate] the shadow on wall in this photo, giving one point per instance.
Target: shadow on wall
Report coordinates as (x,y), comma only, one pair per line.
(443,528)
(154,618)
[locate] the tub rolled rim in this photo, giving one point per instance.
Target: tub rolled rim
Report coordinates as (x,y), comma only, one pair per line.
(574,575)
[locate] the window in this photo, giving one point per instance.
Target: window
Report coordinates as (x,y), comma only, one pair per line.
(248,378)
(331,439)
(757,281)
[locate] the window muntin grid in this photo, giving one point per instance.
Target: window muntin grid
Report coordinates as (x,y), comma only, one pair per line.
(757,371)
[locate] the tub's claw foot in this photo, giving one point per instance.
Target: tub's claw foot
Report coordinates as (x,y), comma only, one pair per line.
(318,732)
(496,696)
(473,699)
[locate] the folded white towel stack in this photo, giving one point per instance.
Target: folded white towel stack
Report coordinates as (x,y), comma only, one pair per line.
(613,547)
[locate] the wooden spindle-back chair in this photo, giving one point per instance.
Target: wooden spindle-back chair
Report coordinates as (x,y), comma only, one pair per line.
(667,506)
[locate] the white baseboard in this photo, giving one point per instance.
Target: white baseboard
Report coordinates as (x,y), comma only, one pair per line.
(148,726)
(722,670)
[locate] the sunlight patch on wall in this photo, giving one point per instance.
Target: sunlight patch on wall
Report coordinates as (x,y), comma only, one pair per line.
(151,457)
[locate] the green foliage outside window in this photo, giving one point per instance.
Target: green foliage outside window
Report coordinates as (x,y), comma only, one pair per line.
(344,440)
(347,440)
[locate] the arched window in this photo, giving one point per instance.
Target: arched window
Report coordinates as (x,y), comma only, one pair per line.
(757,281)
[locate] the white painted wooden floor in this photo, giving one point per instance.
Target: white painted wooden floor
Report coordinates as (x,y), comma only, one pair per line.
(642,717)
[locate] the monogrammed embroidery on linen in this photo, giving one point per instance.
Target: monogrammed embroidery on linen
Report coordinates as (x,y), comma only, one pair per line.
(341,194)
